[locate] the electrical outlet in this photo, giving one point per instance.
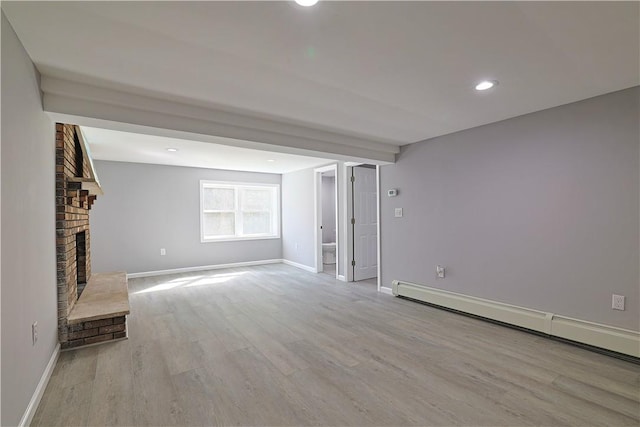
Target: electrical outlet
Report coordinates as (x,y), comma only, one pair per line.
(439,272)
(163,251)
(34,333)
(617,302)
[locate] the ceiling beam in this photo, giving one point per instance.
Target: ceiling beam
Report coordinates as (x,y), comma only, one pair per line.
(116,109)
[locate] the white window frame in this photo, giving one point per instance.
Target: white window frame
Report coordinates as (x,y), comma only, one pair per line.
(239,187)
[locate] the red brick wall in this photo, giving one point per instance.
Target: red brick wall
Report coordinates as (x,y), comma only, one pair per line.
(72,217)
(95,331)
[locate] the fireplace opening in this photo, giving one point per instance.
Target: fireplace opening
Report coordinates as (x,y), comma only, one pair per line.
(79,166)
(81,262)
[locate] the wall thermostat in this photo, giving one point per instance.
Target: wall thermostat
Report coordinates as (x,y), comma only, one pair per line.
(392,193)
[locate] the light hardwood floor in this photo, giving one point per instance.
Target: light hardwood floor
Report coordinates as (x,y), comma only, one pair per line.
(274,345)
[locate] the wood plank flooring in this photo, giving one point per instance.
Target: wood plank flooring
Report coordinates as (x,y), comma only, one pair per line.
(275,345)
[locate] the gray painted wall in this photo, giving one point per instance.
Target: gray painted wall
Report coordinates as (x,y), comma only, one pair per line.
(148,207)
(329,231)
(540,211)
(297,217)
(28,230)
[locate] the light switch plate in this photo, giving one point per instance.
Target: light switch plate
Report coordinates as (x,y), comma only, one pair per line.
(398,213)
(34,333)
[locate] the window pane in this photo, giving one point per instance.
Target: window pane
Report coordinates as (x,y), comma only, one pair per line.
(219,199)
(256,223)
(219,224)
(256,200)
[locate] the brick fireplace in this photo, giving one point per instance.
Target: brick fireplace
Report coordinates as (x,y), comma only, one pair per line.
(82,318)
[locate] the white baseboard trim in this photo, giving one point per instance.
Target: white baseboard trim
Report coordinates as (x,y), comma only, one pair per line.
(298,265)
(620,340)
(386,290)
(39,391)
(202,268)
(342,278)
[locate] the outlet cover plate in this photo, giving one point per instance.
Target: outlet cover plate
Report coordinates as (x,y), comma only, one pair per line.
(617,302)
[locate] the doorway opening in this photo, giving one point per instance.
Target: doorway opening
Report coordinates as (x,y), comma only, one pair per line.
(326,197)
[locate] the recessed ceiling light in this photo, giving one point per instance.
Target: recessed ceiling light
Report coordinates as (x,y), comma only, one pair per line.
(270,160)
(172,150)
(486,84)
(306,3)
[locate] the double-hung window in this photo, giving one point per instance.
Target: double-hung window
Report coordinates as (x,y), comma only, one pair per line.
(238,211)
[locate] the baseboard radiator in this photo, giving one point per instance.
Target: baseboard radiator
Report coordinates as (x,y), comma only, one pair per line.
(594,334)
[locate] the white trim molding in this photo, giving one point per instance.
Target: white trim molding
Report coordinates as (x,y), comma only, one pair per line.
(378,231)
(620,340)
(202,268)
(301,266)
(346,223)
(385,290)
(99,105)
(39,391)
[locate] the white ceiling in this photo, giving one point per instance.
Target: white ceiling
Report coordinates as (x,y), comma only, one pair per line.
(138,148)
(392,72)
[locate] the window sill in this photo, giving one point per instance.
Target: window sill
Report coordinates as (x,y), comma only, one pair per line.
(238,239)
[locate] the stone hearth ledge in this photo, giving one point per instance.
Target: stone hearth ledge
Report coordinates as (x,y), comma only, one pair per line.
(105,296)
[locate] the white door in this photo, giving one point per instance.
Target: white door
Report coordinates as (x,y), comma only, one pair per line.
(365,230)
